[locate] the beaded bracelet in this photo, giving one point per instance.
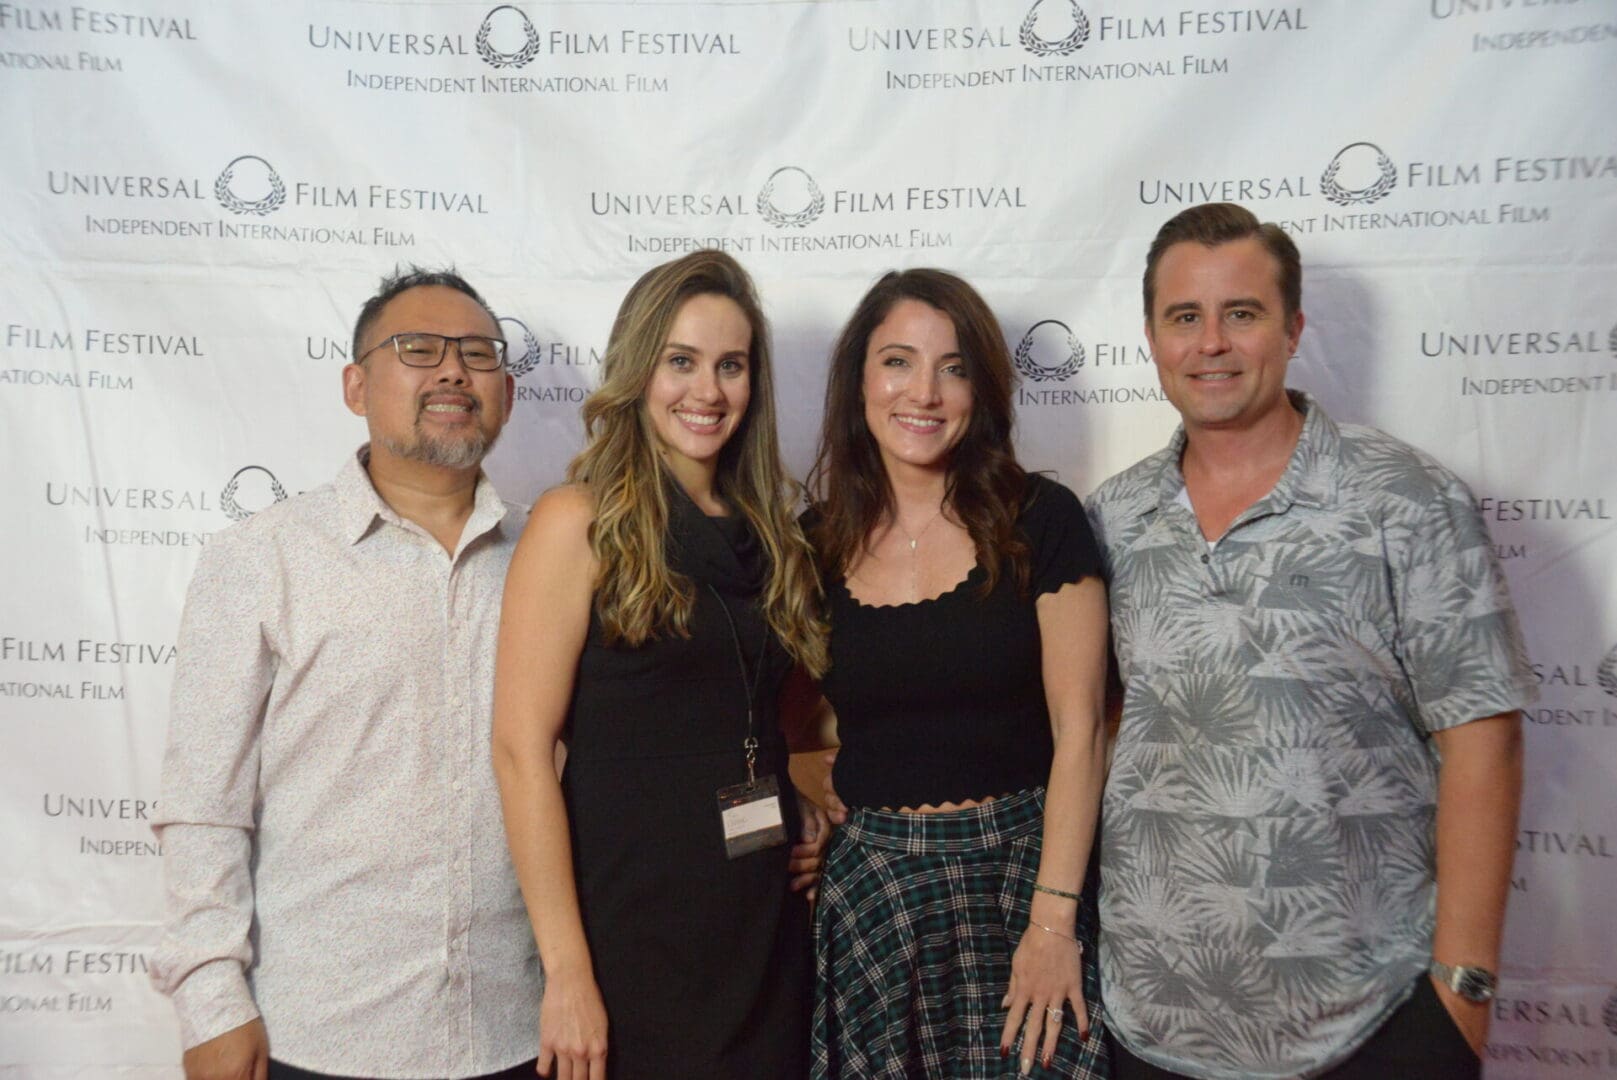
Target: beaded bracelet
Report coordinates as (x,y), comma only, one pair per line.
(1056,892)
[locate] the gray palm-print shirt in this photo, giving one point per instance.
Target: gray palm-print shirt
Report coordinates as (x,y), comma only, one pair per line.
(1267,854)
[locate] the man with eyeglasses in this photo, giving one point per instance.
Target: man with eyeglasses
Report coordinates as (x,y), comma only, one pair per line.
(339,897)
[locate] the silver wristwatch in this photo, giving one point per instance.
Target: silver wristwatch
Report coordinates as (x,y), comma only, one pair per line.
(1471,983)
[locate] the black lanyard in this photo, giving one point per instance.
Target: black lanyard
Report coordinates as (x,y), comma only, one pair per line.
(748,682)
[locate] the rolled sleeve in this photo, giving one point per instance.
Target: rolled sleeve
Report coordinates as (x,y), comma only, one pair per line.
(205,816)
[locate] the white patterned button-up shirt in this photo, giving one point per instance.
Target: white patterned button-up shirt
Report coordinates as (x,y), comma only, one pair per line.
(1267,869)
(333,848)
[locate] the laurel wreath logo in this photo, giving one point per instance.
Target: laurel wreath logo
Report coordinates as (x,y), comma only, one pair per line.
(1606,676)
(1385,182)
(237,205)
(1039,46)
(494,57)
(1038,372)
(530,350)
(796,219)
(227,497)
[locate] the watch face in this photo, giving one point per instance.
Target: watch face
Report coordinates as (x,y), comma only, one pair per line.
(1473,984)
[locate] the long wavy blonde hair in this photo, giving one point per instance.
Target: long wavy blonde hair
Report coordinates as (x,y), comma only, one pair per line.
(638,596)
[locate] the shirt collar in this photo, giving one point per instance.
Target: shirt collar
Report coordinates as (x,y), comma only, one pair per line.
(1310,476)
(362,507)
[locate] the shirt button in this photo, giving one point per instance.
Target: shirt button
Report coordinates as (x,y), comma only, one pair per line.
(1207,558)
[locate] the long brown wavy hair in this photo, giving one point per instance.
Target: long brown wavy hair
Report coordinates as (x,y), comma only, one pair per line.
(984,487)
(637,594)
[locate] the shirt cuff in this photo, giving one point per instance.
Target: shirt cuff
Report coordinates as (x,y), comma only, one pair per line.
(212,1000)
(1462,707)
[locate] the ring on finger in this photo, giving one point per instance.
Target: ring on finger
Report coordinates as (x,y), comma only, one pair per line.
(1054,1013)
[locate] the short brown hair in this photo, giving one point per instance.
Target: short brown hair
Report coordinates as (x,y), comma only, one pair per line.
(1212,224)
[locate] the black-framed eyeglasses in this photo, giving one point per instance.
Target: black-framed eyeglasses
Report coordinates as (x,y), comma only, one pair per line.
(422,350)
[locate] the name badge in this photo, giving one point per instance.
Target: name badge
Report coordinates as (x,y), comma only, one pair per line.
(751,816)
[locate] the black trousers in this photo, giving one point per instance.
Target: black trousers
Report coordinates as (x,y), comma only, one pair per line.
(1419,1040)
(281,1071)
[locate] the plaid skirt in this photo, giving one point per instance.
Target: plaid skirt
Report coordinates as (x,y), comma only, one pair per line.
(918,917)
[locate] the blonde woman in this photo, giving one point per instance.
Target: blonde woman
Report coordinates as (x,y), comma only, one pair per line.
(653,607)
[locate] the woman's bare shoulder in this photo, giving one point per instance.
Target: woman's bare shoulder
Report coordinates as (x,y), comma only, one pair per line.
(560,522)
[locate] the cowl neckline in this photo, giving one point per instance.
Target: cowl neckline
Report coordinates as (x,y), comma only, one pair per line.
(724,551)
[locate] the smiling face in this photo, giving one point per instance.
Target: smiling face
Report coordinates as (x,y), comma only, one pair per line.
(1220,334)
(917,391)
(446,416)
(700,387)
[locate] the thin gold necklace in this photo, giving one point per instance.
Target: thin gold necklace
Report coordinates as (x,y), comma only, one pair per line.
(916,539)
(915,558)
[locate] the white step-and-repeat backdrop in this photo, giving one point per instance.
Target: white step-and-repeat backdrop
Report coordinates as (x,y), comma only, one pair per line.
(197,196)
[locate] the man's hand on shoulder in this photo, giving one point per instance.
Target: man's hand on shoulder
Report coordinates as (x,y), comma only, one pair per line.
(242,1053)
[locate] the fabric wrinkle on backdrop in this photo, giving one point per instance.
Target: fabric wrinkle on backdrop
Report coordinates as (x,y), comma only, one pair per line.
(198,197)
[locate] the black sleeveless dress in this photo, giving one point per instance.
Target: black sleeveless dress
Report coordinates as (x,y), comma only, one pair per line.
(704,962)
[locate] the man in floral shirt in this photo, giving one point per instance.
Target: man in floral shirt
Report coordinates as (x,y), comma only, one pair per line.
(1309,824)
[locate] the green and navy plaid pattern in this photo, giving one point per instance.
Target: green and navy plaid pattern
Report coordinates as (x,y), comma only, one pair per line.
(918,917)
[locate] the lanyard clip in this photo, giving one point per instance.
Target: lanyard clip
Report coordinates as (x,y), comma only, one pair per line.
(751,747)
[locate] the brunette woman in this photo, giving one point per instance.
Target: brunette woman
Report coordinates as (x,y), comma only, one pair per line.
(968,655)
(653,606)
